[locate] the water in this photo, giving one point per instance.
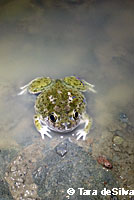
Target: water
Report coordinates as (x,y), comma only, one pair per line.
(93,40)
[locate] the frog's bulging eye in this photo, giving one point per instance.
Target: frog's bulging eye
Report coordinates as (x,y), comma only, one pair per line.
(76,115)
(53,118)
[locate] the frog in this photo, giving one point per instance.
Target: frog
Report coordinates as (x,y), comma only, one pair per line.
(60,105)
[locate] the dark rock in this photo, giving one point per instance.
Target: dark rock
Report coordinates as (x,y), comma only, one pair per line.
(61,149)
(4,190)
(54,175)
(6,156)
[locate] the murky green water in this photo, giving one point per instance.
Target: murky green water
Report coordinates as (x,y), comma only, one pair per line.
(93,40)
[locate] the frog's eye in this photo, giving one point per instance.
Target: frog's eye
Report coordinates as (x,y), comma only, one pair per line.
(76,114)
(53,118)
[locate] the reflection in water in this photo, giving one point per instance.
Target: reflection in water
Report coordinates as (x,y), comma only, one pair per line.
(91,40)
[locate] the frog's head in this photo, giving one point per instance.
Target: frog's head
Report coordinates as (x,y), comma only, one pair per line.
(61,107)
(65,121)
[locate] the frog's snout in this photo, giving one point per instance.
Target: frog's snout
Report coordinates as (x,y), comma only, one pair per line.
(66,125)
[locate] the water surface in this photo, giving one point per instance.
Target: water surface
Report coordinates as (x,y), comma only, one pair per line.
(90,39)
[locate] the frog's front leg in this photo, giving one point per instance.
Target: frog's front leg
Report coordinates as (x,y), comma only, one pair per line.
(89,86)
(42,129)
(79,84)
(36,86)
(88,123)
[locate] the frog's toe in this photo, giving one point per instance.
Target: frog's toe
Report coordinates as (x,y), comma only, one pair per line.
(47,134)
(45,131)
(23,91)
(80,134)
(89,87)
(24,87)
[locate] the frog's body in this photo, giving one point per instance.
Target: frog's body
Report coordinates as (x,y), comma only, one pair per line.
(60,106)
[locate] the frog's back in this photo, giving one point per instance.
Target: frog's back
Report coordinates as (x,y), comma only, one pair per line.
(59,98)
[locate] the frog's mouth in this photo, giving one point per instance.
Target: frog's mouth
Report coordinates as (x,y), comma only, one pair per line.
(62,127)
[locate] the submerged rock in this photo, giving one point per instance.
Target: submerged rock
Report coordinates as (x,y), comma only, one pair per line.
(55,174)
(117,140)
(6,156)
(41,172)
(123,117)
(4,190)
(113,197)
(19,173)
(61,149)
